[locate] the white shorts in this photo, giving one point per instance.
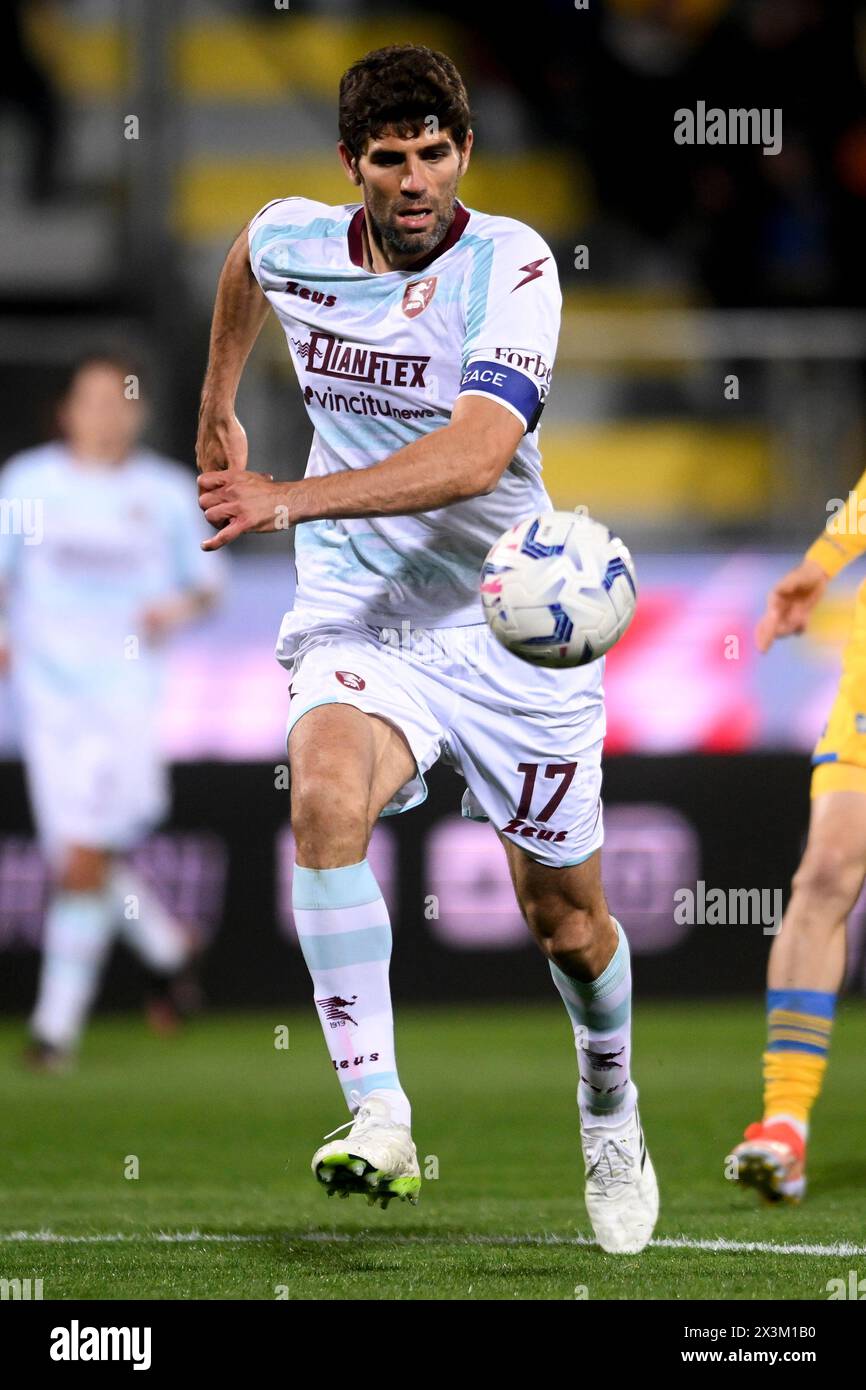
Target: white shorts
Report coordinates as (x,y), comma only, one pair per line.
(526,740)
(93,781)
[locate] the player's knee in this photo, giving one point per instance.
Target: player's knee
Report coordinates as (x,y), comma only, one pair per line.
(829,872)
(329,831)
(572,943)
(565,931)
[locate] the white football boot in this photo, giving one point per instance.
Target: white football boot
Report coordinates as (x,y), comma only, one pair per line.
(622,1195)
(376,1158)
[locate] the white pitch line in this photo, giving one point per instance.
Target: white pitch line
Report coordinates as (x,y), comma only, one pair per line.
(119,1238)
(718,1244)
(761,1247)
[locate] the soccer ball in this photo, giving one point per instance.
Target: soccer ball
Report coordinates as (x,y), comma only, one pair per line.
(558,589)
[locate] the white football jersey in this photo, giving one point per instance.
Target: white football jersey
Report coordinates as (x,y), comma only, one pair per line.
(381,359)
(82,552)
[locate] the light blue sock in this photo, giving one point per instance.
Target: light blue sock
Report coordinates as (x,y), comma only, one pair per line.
(600,1013)
(78,933)
(345,935)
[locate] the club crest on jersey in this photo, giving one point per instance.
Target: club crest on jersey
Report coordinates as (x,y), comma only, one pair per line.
(417,296)
(350,680)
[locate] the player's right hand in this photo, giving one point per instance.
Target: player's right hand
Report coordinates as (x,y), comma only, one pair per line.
(789,603)
(221,442)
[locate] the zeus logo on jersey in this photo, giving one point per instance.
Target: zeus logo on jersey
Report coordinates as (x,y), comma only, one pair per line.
(329,356)
(316,296)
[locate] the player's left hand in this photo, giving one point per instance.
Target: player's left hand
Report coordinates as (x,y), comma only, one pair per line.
(237,501)
(159,620)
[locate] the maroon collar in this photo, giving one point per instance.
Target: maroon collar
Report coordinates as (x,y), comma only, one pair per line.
(454,233)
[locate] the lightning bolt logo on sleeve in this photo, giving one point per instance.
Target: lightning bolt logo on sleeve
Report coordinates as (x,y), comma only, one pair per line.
(533,272)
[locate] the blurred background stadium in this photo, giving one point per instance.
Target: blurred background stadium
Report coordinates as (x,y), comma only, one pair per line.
(707,403)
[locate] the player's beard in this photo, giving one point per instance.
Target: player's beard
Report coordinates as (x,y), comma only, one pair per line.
(413,244)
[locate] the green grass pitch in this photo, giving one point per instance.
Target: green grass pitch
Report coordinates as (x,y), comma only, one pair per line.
(223,1125)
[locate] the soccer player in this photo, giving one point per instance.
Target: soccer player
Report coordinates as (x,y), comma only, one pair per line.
(100,562)
(423,335)
(807,958)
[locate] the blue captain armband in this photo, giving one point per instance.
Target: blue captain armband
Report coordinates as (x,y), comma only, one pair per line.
(507,385)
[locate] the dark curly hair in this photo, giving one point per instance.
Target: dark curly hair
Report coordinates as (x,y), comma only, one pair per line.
(398,87)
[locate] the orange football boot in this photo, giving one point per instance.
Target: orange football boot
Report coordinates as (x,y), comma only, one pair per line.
(772,1159)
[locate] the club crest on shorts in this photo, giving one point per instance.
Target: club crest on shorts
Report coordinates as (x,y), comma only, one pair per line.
(350,680)
(417,296)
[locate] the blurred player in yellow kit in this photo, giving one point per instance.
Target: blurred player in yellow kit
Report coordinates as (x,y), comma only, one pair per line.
(807,960)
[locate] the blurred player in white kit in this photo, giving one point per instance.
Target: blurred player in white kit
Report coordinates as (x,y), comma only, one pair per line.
(100,562)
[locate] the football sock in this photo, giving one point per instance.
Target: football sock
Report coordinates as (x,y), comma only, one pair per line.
(799,1024)
(78,932)
(146,926)
(345,934)
(600,1013)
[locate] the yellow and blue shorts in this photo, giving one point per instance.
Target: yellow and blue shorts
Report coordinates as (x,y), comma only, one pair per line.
(839,760)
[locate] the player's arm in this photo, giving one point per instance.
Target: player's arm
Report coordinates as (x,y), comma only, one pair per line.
(194,581)
(163,617)
(239,313)
(463,459)
(791,600)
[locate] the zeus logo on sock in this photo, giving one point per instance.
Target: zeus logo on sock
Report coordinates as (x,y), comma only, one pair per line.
(354,1061)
